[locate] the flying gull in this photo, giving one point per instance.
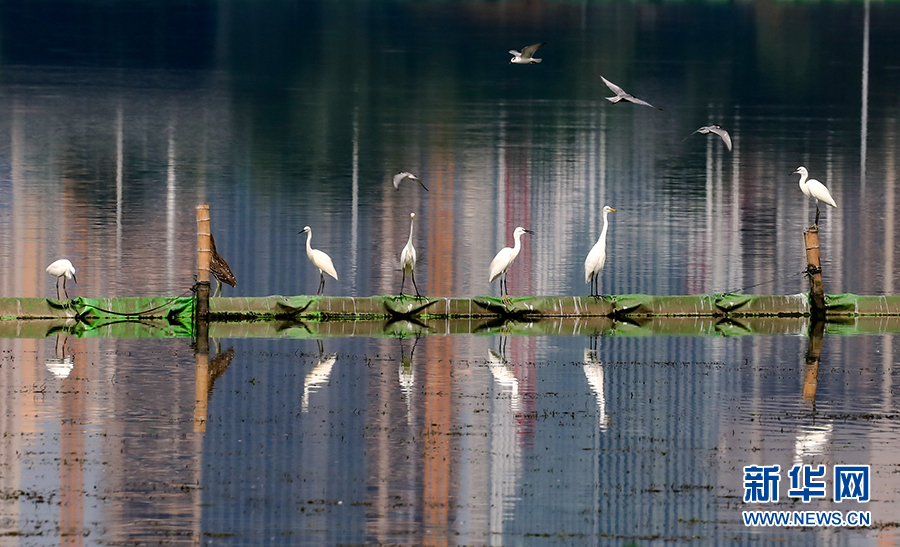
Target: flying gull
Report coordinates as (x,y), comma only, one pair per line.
(527,55)
(621,95)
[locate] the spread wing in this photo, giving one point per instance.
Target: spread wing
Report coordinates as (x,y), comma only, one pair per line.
(528,51)
(613,87)
(724,134)
(399,177)
(635,100)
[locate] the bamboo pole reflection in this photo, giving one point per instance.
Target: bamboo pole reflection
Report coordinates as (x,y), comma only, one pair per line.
(813,355)
(201,386)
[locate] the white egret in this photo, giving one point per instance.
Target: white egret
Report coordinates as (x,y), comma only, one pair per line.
(219,268)
(621,95)
(505,257)
(62,269)
(815,190)
(319,259)
(408,258)
(526,57)
(717,129)
(398,178)
(596,259)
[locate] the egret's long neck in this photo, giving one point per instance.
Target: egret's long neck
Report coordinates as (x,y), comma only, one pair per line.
(803,177)
(411,221)
(605,226)
(518,246)
(309,243)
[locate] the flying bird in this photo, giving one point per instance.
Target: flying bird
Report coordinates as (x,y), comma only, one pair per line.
(504,259)
(596,259)
(62,269)
(717,129)
(815,190)
(621,95)
(526,57)
(320,260)
(398,178)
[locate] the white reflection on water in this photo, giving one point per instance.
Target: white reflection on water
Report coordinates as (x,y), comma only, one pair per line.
(317,378)
(593,371)
(505,448)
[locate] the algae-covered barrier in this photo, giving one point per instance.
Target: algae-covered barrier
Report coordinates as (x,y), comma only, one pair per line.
(323,308)
(318,317)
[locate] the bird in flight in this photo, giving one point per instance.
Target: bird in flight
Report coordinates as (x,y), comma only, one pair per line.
(526,57)
(621,95)
(398,178)
(717,129)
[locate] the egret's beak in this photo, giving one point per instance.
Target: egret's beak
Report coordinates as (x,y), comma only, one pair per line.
(613,210)
(527,231)
(74,279)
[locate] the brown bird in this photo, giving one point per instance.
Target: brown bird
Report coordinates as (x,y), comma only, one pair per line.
(219,268)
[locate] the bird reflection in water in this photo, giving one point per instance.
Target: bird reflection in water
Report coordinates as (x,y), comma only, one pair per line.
(61,365)
(318,376)
(811,441)
(503,374)
(593,371)
(407,377)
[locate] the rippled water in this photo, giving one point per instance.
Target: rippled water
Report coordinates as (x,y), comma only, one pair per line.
(439,440)
(117,119)
(283,116)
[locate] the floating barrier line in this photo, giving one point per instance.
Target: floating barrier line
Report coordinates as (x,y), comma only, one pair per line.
(182,309)
(738,291)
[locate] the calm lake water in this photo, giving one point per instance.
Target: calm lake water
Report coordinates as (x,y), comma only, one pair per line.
(440,441)
(117,119)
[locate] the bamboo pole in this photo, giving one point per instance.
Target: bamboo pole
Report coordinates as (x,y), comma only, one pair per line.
(201,350)
(814,270)
(203,256)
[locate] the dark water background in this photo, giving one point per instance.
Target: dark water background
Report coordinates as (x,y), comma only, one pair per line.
(117,119)
(120,118)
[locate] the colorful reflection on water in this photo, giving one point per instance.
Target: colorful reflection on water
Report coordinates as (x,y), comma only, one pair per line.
(439,440)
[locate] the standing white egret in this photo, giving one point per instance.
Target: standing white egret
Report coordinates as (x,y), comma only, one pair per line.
(319,259)
(526,57)
(622,95)
(408,258)
(398,178)
(815,190)
(504,259)
(62,269)
(596,259)
(717,129)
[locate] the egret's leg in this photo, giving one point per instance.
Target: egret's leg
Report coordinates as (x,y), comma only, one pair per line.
(402,281)
(64,288)
(817,214)
(321,283)
(58,296)
(412,274)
